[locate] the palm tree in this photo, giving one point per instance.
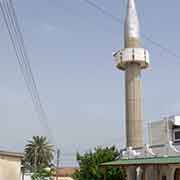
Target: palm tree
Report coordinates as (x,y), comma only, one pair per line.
(38,153)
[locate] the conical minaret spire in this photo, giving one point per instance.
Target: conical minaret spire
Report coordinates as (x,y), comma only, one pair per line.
(131,27)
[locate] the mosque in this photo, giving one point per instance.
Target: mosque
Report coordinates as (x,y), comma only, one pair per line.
(160,158)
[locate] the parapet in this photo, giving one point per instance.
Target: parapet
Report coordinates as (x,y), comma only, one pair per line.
(130,56)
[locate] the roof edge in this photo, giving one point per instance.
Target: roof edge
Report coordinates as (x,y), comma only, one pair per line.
(12,154)
(143,161)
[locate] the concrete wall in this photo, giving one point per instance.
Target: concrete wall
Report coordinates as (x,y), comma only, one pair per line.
(159,150)
(158,133)
(28,177)
(64,178)
(10,168)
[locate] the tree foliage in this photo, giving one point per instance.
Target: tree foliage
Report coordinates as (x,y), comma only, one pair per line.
(43,174)
(90,165)
(38,153)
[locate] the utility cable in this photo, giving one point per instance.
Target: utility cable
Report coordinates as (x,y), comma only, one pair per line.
(10,19)
(144,36)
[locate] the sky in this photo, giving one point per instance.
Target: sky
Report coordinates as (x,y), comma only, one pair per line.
(70,46)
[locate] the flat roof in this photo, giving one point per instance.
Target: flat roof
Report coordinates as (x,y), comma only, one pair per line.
(11,154)
(144,161)
(65,171)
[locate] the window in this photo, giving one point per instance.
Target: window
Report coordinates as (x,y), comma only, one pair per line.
(163,177)
(176,135)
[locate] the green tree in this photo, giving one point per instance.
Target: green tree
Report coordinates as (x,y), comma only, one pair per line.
(89,164)
(38,153)
(43,174)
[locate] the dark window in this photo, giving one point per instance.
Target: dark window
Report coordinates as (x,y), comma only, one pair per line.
(163,177)
(177,135)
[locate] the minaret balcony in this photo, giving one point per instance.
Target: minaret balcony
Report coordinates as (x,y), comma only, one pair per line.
(130,56)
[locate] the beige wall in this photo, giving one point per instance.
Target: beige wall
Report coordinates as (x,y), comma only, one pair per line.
(10,168)
(64,178)
(28,177)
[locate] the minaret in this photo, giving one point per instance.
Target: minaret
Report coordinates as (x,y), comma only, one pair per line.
(132,59)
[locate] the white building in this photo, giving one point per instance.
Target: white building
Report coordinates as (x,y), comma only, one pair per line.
(159,158)
(63,173)
(164,136)
(10,165)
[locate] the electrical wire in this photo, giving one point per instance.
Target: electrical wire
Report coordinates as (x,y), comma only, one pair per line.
(10,19)
(144,36)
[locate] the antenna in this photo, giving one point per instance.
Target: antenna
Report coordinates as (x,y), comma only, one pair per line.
(149,132)
(57,163)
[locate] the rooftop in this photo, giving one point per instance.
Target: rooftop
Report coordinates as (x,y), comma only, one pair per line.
(66,171)
(144,161)
(11,154)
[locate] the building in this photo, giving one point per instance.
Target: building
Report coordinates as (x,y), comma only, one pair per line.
(156,168)
(164,136)
(10,165)
(27,176)
(165,130)
(159,159)
(65,173)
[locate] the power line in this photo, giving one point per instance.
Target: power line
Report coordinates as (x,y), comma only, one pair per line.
(102,10)
(42,113)
(116,19)
(10,19)
(159,45)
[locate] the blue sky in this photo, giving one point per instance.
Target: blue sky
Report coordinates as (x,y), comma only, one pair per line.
(70,46)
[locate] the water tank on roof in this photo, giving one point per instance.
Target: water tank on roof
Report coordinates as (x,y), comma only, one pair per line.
(175,120)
